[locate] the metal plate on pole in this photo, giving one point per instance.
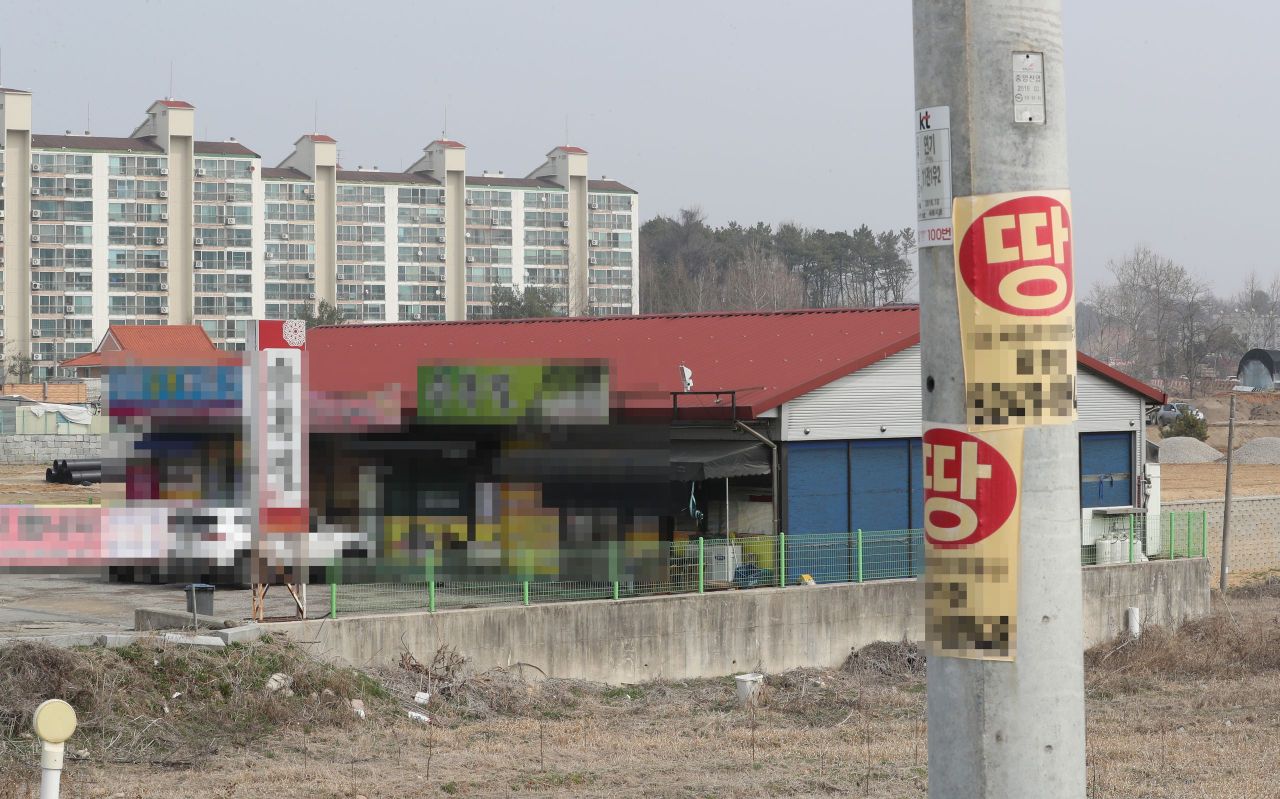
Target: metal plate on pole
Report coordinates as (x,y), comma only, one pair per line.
(1028,88)
(933,176)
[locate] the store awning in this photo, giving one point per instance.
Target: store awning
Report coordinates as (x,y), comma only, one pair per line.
(708,460)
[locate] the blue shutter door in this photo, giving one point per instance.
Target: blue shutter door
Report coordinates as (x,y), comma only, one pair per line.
(880,485)
(817,510)
(1106,470)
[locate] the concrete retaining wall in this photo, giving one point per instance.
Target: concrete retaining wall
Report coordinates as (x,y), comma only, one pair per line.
(677,637)
(20,449)
(1255,531)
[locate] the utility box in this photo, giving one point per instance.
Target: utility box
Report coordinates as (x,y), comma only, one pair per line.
(200,599)
(720,560)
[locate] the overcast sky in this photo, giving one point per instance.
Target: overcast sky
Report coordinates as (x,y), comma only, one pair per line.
(691,103)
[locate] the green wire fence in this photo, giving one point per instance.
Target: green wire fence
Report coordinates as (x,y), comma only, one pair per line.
(625,569)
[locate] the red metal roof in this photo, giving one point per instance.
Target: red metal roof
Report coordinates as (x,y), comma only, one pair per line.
(609,185)
(450,143)
(176,104)
(569,148)
(162,345)
(223,148)
(1111,373)
(322,137)
(767,357)
(370,176)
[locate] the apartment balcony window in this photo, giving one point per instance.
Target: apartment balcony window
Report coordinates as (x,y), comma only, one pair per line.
(287,232)
(224,260)
(611,258)
(137,165)
(546,199)
(60,258)
(488,274)
(362,214)
(363,312)
(225,168)
(610,202)
(609,221)
(546,277)
(63,163)
(293,192)
(360,193)
(421,196)
(63,210)
(546,257)
(131,305)
(361,233)
(420,235)
(551,219)
(483,217)
(137,212)
(420,274)
(361,253)
(62,234)
(290,252)
(489,255)
(118,282)
(422,313)
(281,271)
(222,193)
(613,277)
(61,187)
(546,238)
(130,189)
(296,292)
(223,283)
(498,236)
(420,254)
(63,281)
(291,212)
(291,310)
(362,273)
(419,293)
(410,215)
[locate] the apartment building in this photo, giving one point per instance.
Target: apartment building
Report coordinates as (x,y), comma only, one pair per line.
(160,227)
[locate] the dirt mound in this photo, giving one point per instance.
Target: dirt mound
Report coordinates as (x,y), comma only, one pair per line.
(885,659)
(171,704)
(1259,450)
(1265,413)
(1185,449)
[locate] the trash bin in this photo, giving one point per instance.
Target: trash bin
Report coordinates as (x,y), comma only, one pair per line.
(200,599)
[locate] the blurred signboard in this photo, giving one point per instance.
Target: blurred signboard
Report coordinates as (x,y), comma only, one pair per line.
(558,392)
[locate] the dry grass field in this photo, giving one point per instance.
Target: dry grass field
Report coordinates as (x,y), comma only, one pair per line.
(1191,713)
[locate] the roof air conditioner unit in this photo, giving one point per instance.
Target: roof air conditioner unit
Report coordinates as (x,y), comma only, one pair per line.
(164,195)
(200,173)
(311,296)
(164,286)
(164,170)
(159,239)
(284,236)
(70,309)
(164,217)
(35,191)
(35,213)
(199,242)
(35,167)
(35,261)
(35,332)
(471,259)
(164,309)
(595,206)
(564,223)
(439,239)
(35,285)
(37,356)
(35,238)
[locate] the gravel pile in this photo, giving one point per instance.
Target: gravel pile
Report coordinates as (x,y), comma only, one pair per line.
(1185,449)
(1259,450)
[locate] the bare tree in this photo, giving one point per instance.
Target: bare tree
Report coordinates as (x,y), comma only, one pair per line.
(760,280)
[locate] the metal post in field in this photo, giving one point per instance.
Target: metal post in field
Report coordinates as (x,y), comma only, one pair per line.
(782,560)
(1226,504)
(1004,602)
(859,554)
(701,564)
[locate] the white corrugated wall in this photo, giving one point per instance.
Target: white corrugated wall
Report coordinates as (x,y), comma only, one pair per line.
(887,393)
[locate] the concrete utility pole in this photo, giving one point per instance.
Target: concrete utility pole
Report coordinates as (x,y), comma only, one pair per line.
(1226,505)
(1011,726)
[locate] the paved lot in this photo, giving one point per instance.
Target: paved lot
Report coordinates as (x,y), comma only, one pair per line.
(53,604)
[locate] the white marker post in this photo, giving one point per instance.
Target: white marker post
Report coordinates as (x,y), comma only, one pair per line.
(54,722)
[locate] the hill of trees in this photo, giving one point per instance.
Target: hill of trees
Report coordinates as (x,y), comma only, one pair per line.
(688,266)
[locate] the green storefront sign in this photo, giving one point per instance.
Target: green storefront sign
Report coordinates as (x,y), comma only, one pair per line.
(505,394)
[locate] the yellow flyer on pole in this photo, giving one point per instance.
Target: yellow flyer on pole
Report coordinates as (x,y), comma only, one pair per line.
(1016,289)
(972,485)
